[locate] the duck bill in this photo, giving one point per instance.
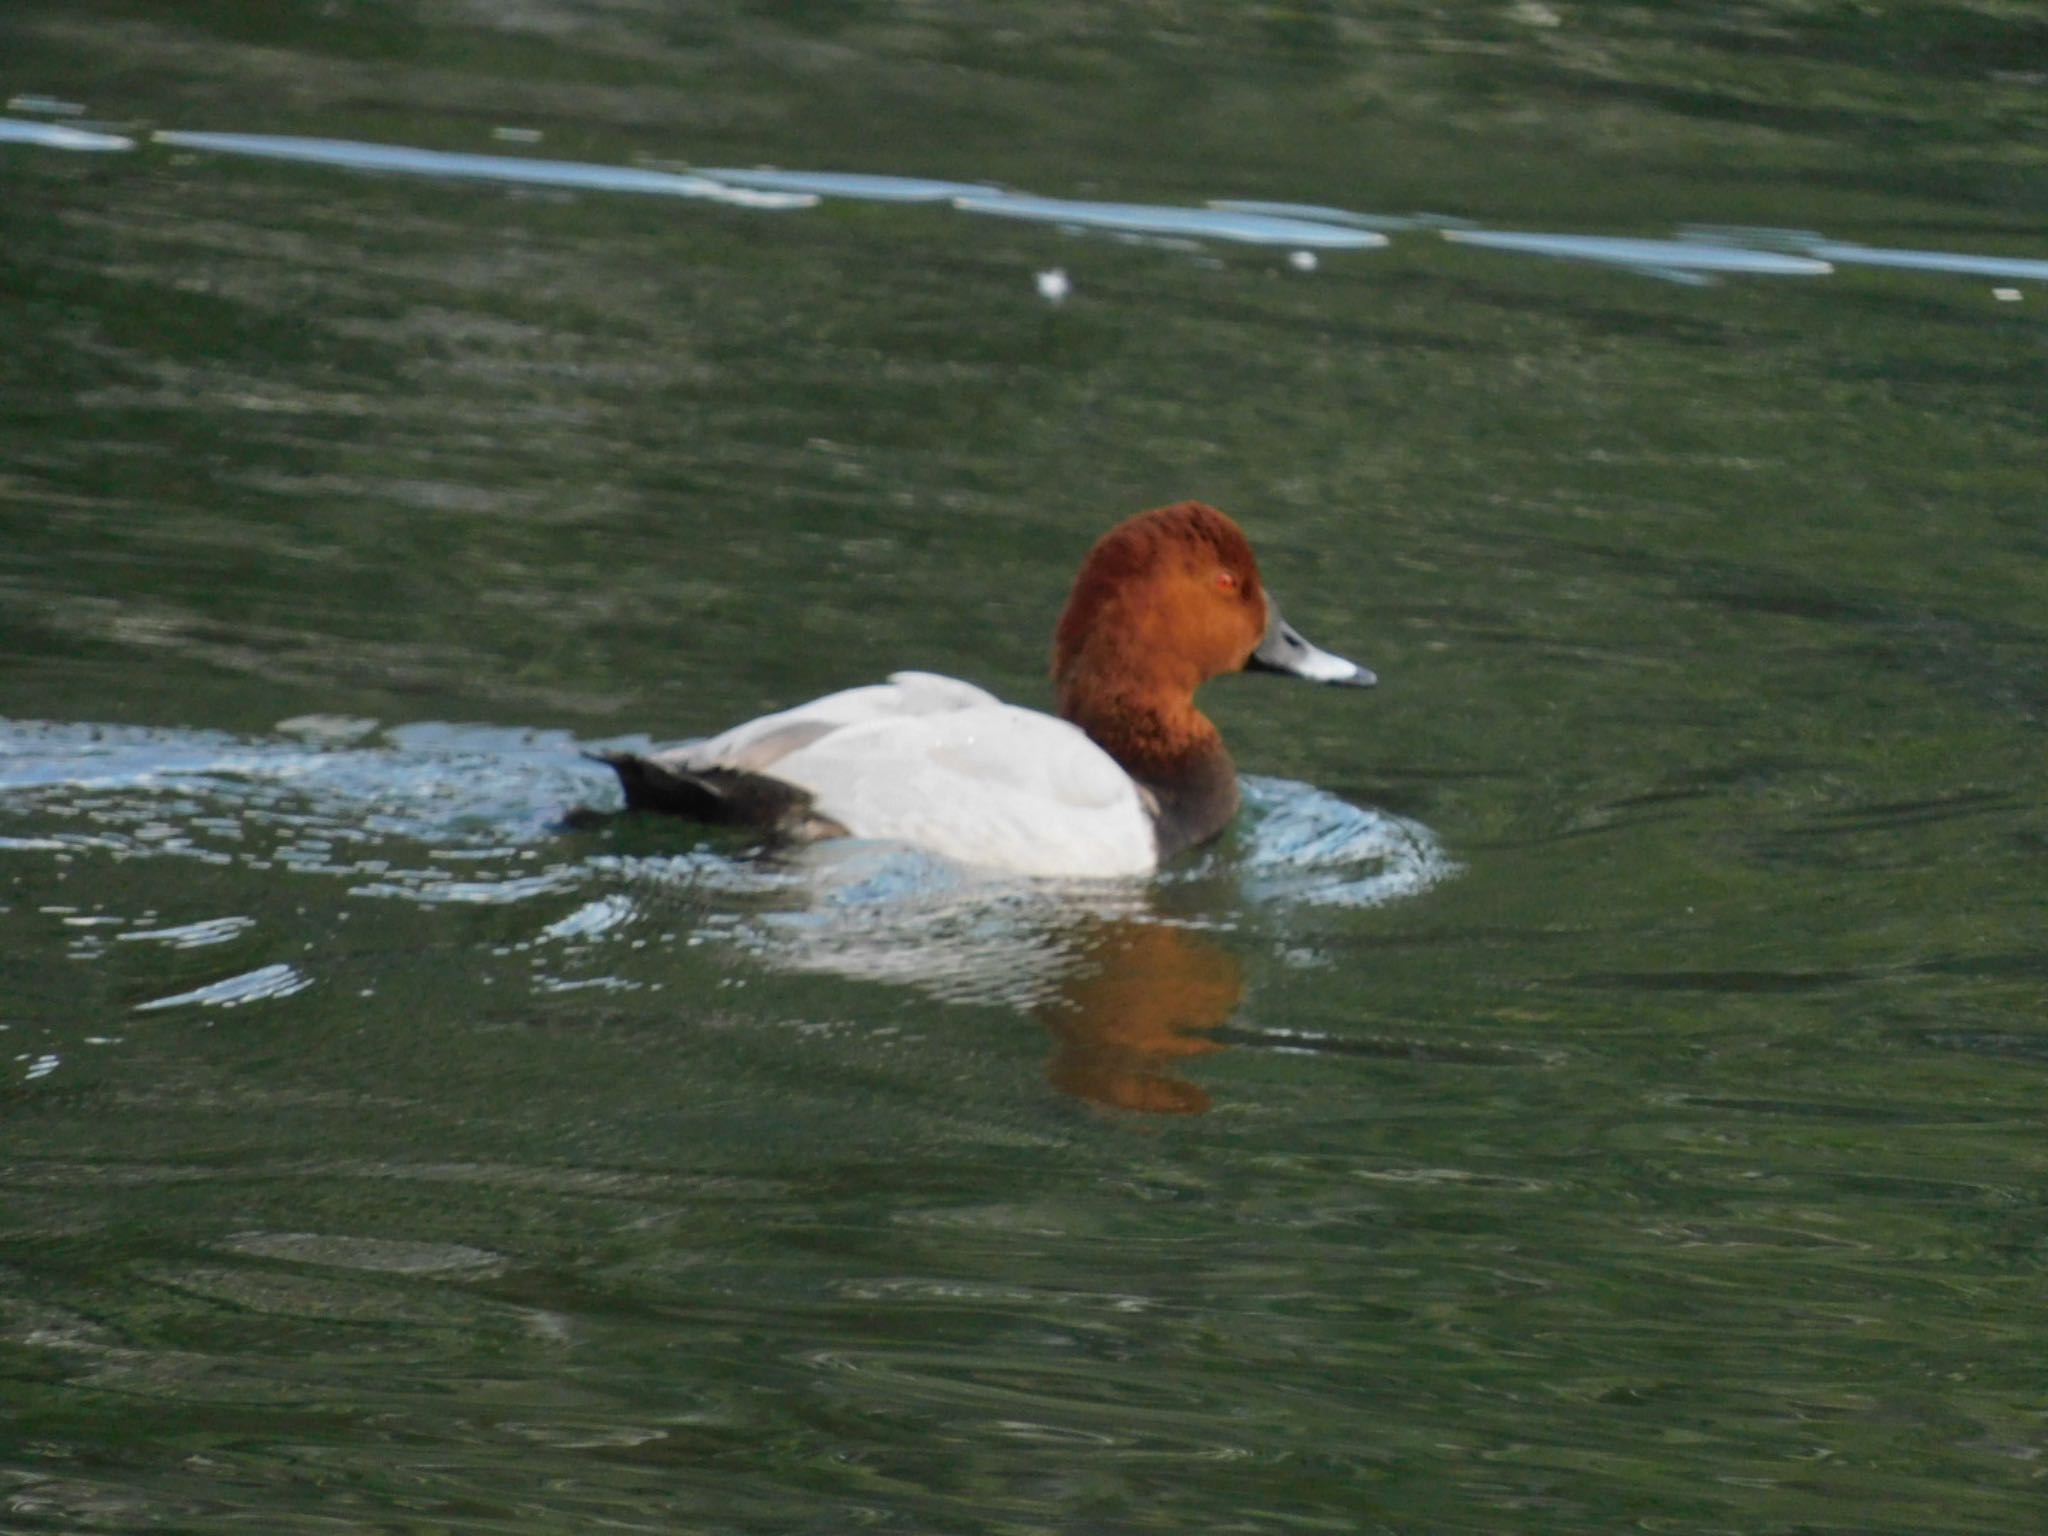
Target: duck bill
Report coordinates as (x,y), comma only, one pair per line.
(1284,650)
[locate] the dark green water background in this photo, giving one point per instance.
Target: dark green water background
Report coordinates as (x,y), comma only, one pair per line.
(378,1154)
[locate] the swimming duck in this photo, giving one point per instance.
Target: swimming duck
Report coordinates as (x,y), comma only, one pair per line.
(1130,774)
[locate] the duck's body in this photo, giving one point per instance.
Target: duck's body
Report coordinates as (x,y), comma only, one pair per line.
(921,759)
(1131,775)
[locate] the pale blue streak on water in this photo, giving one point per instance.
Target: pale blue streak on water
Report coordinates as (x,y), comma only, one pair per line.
(1195,223)
(859,186)
(1658,255)
(59,136)
(1688,260)
(530,171)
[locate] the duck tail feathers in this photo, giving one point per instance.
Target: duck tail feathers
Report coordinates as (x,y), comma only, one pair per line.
(729,797)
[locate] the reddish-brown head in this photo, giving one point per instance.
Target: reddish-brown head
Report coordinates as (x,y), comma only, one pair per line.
(1165,601)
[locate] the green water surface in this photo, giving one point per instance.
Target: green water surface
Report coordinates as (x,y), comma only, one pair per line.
(1598,1086)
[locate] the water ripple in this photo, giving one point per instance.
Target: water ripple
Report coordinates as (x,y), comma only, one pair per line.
(593,919)
(1196,223)
(1699,254)
(433,888)
(260,985)
(14,130)
(1310,847)
(216,930)
(379,1254)
(405,160)
(440,816)
(862,188)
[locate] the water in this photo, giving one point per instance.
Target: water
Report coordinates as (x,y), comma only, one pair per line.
(1596,1085)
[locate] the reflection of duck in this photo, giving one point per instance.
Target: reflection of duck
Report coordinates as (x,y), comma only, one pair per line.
(1132,774)
(1145,996)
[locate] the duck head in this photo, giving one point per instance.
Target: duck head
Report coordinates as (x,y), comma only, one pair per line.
(1167,600)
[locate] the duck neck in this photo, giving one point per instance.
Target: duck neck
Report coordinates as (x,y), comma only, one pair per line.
(1171,749)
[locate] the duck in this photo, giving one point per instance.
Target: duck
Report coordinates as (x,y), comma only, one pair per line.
(1128,775)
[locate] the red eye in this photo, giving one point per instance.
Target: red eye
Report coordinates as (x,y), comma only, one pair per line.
(1226,581)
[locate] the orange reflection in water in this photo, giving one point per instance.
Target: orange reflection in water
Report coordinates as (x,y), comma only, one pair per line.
(1144,997)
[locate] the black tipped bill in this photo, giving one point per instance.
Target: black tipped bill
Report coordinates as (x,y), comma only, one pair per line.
(1284,650)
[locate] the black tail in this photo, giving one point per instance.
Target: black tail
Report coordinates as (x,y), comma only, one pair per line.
(722,796)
